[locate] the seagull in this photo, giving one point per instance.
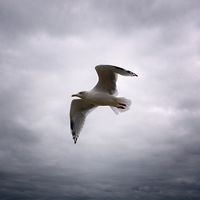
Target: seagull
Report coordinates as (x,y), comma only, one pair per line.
(103,94)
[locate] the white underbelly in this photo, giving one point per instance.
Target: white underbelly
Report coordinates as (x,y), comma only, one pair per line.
(102,99)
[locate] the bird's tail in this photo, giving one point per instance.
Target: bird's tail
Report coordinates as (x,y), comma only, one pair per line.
(122,105)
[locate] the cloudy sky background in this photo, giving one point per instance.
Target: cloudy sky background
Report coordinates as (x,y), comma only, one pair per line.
(48,51)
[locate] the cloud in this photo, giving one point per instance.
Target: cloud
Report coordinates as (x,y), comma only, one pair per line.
(49,50)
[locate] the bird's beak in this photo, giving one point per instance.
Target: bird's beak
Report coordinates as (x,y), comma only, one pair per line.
(74,95)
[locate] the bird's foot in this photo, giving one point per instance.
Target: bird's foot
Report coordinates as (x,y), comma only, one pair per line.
(121,104)
(121,107)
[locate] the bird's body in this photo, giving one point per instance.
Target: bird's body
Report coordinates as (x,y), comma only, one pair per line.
(99,98)
(103,94)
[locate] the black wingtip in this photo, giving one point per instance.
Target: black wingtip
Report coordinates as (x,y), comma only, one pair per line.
(75,141)
(133,74)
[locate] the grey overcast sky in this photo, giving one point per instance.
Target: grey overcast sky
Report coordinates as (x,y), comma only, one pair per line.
(48,51)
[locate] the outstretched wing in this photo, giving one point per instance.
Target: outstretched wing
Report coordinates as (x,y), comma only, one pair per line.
(78,112)
(108,77)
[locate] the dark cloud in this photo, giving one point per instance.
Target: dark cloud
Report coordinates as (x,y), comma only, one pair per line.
(66,17)
(48,51)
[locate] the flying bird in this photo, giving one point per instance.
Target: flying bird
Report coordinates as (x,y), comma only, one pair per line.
(103,94)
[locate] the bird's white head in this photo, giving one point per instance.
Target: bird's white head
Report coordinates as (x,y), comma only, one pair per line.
(81,95)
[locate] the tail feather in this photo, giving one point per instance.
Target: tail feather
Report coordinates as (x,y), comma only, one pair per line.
(122,105)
